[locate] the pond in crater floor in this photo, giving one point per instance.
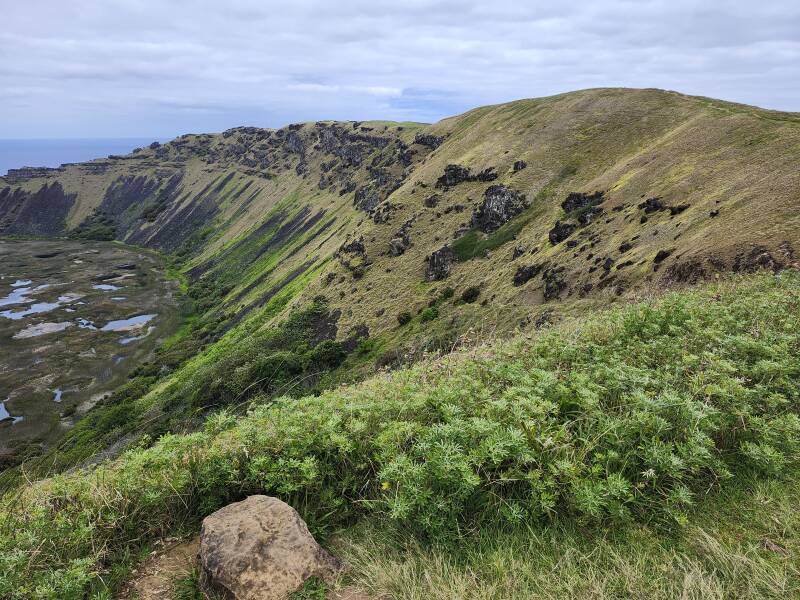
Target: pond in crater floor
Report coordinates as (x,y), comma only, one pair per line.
(65,339)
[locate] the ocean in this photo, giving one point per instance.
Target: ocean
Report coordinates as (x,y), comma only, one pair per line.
(52,153)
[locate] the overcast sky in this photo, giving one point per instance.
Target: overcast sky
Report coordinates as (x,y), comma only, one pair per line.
(114,68)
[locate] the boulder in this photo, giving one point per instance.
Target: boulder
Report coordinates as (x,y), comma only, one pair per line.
(453,175)
(432,200)
(578,200)
(652,205)
(585,217)
(429,140)
(662,255)
(259,549)
(525,273)
(352,255)
(397,246)
(499,205)
(439,264)
(676,210)
(402,238)
(519,165)
(383,212)
(486,175)
(554,283)
(560,232)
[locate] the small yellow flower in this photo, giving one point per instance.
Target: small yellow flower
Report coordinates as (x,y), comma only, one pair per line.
(385,485)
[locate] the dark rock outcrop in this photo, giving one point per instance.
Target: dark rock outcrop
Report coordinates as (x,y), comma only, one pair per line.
(676,210)
(578,200)
(519,165)
(380,186)
(486,175)
(652,205)
(352,256)
(554,283)
(397,246)
(429,140)
(755,259)
(439,264)
(560,232)
(585,217)
(43,212)
(25,173)
(499,205)
(402,239)
(432,201)
(383,212)
(525,273)
(661,256)
(689,271)
(453,175)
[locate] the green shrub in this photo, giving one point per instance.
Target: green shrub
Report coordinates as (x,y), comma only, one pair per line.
(634,416)
(326,355)
(404,317)
(470,295)
(473,244)
(366,346)
(98,226)
(429,314)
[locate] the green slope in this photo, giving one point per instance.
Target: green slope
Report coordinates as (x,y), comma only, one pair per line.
(626,420)
(266,223)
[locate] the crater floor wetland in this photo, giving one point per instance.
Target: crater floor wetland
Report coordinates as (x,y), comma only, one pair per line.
(75,319)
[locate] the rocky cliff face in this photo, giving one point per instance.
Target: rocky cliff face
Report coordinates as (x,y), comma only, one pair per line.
(538,206)
(42,212)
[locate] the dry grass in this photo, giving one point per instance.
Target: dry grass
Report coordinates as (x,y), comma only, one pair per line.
(717,556)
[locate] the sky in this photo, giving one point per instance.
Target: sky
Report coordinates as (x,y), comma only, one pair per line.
(159,68)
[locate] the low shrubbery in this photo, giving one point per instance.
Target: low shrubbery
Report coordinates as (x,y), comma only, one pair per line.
(470,295)
(428,314)
(98,226)
(632,416)
(284,359)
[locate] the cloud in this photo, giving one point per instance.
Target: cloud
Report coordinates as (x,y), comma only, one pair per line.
(143,67)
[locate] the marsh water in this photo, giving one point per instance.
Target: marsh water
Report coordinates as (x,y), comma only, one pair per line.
(75,319)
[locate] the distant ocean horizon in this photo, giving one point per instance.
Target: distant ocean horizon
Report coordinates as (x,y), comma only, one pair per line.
(52,153)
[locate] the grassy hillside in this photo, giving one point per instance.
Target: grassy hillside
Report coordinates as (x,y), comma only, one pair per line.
(250,210)
(625,422)
(361,224)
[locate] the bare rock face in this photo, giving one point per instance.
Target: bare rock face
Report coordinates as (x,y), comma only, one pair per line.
(439,264)
(259,549)
(579,200)
(453,175)
(560,232)
(500,205)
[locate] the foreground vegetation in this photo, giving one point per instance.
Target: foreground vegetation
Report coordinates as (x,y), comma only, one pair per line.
(623,421)
(741,543)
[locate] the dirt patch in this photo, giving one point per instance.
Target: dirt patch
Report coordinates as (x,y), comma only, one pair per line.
(155,579)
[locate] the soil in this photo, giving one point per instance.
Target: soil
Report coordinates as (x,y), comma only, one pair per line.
(155,578)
